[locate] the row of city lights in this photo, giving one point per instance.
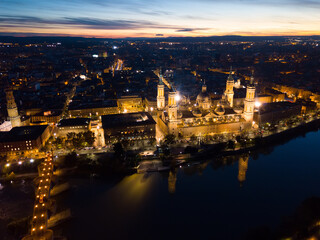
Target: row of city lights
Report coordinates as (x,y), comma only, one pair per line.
(40,196)
(20,162)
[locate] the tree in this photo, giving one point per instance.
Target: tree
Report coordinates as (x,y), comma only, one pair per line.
(89,138)
(170,139)
(165,150)
(193,138)
(71,135)
(58,142)
(10,176)
(125,144)
(231,144)
(118,149)
(77,141)
(152,141)
(190,150)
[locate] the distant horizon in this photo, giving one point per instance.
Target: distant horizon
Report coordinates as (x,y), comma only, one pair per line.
(155,37)
(159,18)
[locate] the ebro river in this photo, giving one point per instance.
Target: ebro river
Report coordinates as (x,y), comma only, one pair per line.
(235,197)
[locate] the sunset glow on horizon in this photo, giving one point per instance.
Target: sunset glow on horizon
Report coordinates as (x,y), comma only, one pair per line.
(142,18)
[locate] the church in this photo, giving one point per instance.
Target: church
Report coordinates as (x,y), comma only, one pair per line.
(205,117)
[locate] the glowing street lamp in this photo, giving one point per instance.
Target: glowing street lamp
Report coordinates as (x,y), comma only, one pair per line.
(257,104)
(177,97)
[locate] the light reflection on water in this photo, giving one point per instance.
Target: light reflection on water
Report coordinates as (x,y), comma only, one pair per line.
(220,199)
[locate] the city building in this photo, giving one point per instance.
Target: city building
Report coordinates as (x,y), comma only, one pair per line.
(75,125)
(28,139)
(206,117)
(129,126)
(93,109)
(276,111)
(12,109)
(51,117)
(130,104)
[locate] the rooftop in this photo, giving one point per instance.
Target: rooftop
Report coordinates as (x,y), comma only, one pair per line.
(86,105)
(277,106)
(128,119)
(22,133)
(74,122)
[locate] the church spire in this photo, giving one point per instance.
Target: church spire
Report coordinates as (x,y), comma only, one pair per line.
(204,86)
(230,78)
(229,93)
(252,78)
(160,76)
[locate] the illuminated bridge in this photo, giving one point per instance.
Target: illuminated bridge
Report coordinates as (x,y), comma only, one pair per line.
(39,223)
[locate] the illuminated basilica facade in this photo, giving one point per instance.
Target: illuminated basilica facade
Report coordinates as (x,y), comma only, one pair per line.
(204,117)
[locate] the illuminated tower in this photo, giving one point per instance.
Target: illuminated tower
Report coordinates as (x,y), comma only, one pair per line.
(204,87)
(160,96)
(203,99)
(229,89)
(172,179)
(249,101)
(243,167)
(172,106)
(172,113)
(12,109)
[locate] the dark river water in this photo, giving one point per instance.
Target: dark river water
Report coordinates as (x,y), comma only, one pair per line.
(204,201)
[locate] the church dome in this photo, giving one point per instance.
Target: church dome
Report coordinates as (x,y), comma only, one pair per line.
(238,109)
(220,110)
(203,97)
(196,113)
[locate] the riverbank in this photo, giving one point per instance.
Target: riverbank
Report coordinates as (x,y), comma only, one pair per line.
(259,142)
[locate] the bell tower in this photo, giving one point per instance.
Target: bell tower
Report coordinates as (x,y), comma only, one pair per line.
(249,101)
(160,95)
(229,89)
(172,106)
(172,113)
(12,109)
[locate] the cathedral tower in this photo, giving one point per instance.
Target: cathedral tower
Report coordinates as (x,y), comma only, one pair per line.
(229,89)
(12,109)
(249,101)
(160,96)
(172,106)
(172,113)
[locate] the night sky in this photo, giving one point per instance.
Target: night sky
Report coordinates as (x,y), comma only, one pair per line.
(150,18)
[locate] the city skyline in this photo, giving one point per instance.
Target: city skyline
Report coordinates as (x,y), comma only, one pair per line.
(141,18)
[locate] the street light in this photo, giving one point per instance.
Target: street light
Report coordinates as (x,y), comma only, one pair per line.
(257,104)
